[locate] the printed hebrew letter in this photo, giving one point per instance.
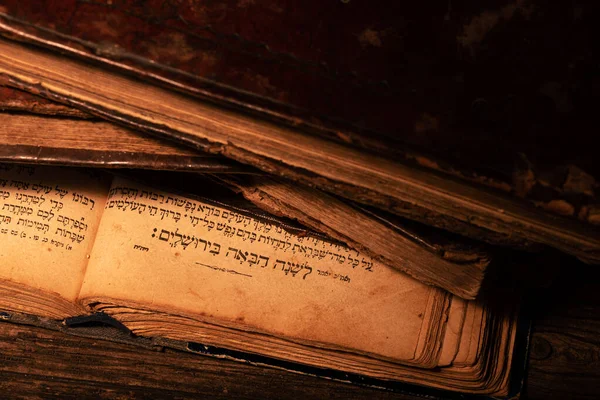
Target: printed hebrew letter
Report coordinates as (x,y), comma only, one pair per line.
(278,262)
(263,258)
(231,249)
(164,235)
(217,250)
(306,267)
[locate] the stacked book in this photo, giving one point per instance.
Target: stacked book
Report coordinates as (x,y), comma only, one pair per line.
(294,229)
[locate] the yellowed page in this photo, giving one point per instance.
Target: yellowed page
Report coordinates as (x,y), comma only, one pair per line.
(181,255)
(48,220)
(454,329)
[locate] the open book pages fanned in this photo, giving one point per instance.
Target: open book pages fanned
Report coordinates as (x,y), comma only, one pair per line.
(196,269)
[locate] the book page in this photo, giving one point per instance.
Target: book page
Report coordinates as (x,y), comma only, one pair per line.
(48,220)
(190,257)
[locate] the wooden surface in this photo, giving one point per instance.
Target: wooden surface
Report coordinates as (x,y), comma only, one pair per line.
(40,363)
(565,353)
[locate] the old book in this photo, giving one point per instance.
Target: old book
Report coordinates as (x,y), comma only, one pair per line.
(195,269)
(431,256)
(291,152)
(389,78)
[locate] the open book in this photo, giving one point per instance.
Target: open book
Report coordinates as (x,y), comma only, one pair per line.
(190,268)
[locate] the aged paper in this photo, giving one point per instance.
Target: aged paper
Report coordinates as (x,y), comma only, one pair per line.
(48,221)
(454,329)
(182,255)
